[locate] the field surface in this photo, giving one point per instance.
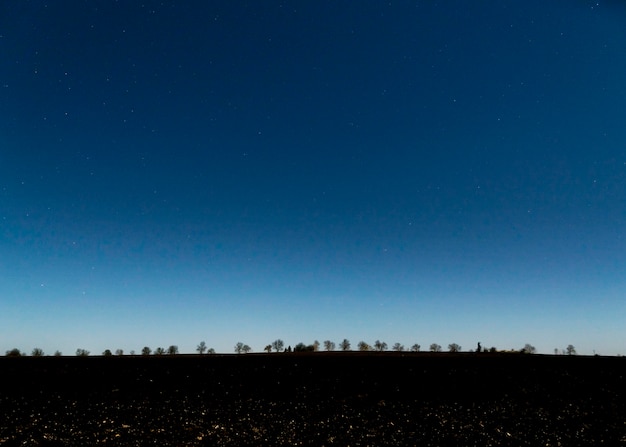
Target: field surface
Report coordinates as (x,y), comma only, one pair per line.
(314,399)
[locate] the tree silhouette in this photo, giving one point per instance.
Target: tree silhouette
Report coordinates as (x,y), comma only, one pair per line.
(106,353)
(278,345)
(37,352)
(246,349)
(211,351)
(415,348)
(316,346)
(329,345)
(380,346)
(201,348)
(301,347)
(435,347)
(570,350)
(159,351)
(453,347)
(58,353)
(239,348)
(146,351)
(529,349)
(82,352)
(268,348)
(398,347)
(344,345)
(172,350)
(119,352)
(363,346)
(14,353)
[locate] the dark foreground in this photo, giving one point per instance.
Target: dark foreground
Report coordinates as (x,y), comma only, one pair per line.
(314,399)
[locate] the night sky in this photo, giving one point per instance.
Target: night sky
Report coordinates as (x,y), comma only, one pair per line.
(408,171)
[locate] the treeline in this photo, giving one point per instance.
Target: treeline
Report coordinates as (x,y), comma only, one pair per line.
(279,346)
(172,350)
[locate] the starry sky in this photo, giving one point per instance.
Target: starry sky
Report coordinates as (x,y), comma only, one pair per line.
(409,171)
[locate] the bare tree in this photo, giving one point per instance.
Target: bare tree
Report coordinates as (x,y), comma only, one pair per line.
(146,351)
(380,346)
(435,347)
(316,346)
(329,345)
(201,348)
(344,345)
(82,352)
(453,347)
(570,350)
(529,349)
(278,345)
(37,352)
(172,350)
(363,346)
(415,348)
(398,347)
(119,352)
(58,353)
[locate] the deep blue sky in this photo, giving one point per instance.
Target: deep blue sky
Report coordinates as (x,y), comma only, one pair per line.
(244,171)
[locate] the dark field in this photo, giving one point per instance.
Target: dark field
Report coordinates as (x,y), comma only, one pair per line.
(316,399)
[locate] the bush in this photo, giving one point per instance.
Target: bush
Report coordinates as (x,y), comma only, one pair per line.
(301,347)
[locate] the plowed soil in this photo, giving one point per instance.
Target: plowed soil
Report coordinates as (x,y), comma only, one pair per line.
(314,399)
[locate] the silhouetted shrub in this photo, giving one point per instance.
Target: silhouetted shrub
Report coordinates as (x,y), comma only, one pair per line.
(301,347)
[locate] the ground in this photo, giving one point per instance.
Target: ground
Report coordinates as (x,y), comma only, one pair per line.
(316,399)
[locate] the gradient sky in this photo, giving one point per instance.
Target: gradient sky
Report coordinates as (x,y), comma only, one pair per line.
(409,171)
